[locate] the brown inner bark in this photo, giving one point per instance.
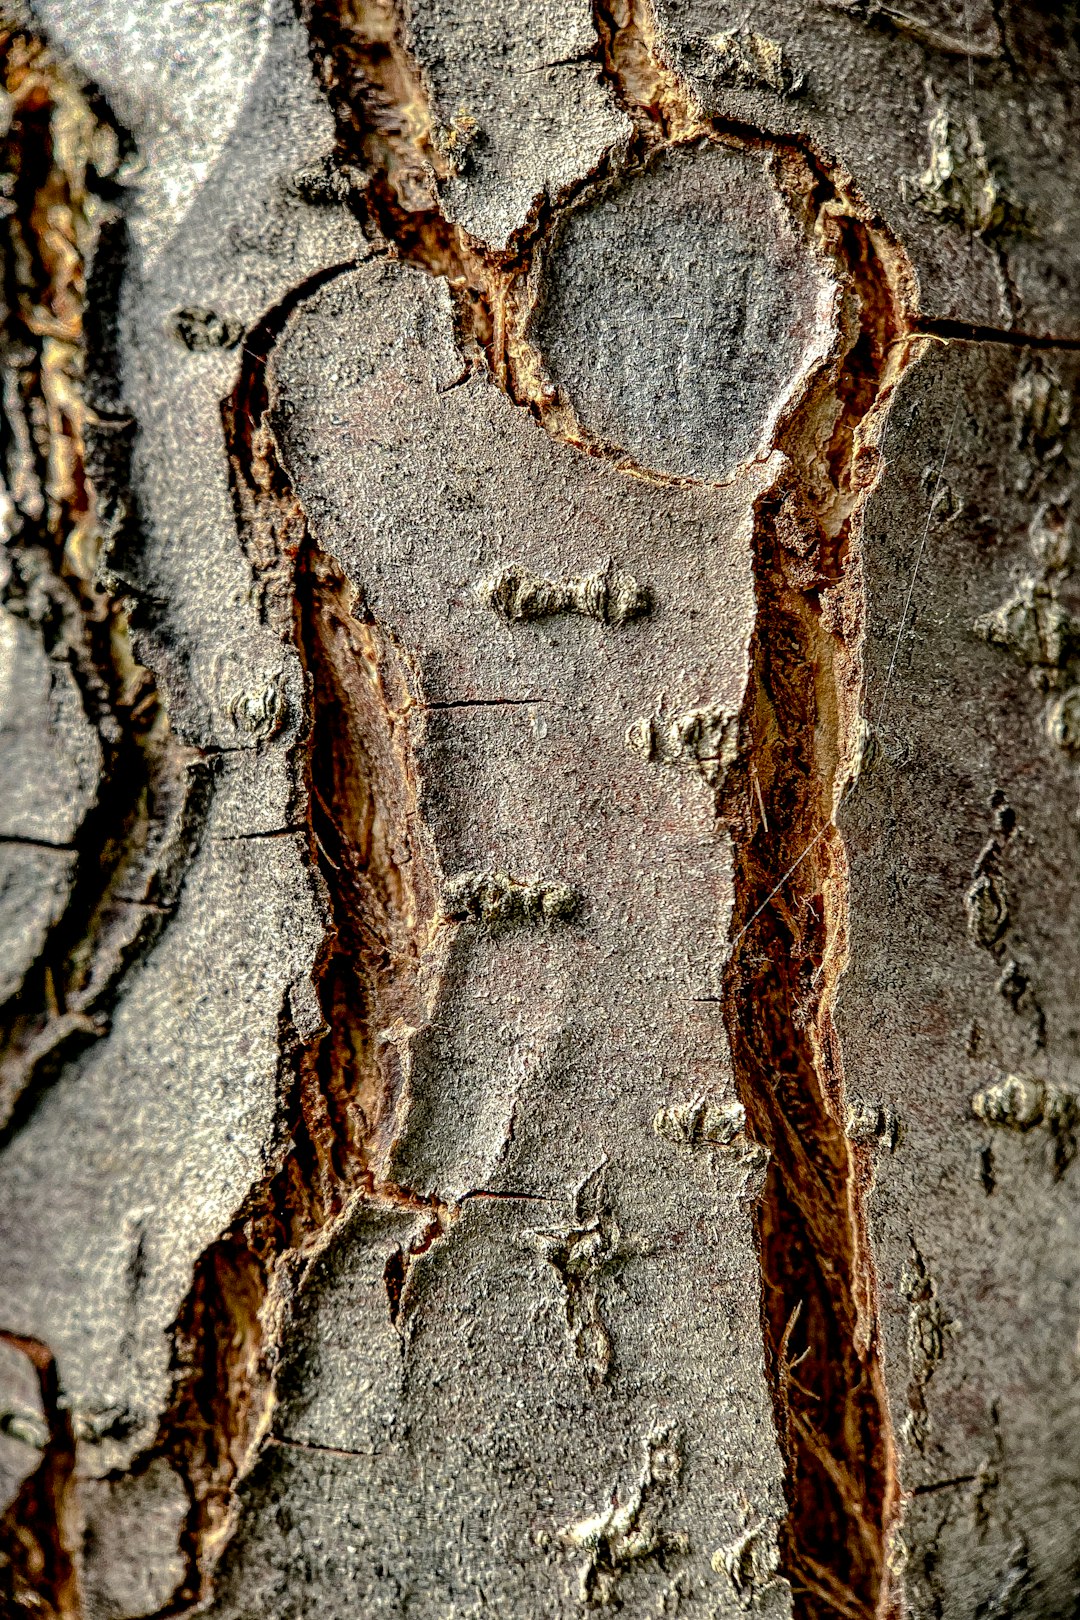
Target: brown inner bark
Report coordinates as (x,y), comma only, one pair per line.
(57,143)
(802,738)
(341,1086)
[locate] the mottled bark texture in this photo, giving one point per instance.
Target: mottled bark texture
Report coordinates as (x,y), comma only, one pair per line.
(539,721)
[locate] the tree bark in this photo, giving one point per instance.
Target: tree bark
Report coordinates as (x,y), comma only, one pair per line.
(540,670)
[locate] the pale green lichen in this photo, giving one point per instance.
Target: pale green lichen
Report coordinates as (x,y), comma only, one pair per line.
(750,1563)
(987,910)
(1042,408)
(1034,626)
(259,711)
(706,739)
(628,1529)
(202,329)
(608,595)
(581,1255)
(28,1428)
(959,184)
(1020,1102)
(701,1122)
(928,1326)
(1050,535)
(741,59)
(1063,721)
(454,141)
(871,1124)
(494,898)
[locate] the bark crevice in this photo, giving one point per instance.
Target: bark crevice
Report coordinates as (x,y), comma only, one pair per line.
(65,503)
(378,968)
(38,1571)
(65,506)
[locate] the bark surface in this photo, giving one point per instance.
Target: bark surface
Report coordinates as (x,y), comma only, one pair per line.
(539,718)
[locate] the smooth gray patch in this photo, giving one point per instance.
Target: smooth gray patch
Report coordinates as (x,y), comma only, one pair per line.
(679,312)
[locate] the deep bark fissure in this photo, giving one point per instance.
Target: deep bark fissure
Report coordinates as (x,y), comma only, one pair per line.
(955,331)
(364,837)
(49,575)
(387,141)
(68,499)
(801,733)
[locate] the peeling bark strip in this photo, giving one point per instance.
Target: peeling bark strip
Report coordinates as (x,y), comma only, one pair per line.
(345,1059)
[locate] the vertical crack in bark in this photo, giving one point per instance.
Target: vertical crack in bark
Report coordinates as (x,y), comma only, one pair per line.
(64,500)
(390,157)
(378,971)
(378,865)
(802,734)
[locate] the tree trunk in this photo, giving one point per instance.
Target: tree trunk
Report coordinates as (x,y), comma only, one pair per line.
(540,667)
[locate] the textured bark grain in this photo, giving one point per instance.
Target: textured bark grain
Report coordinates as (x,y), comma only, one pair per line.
(539,700)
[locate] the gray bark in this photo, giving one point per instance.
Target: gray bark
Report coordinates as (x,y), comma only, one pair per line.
(539,711)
